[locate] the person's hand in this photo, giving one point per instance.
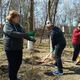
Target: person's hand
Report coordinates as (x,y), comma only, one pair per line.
(33,39)
(52,50)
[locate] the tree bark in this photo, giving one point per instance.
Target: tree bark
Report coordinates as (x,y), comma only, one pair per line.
(31,24)
(31,21)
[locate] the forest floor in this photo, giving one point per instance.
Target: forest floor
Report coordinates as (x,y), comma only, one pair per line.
(32,69)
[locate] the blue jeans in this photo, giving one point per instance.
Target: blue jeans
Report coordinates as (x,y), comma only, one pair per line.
(14,62)
(76,52)
(58,52)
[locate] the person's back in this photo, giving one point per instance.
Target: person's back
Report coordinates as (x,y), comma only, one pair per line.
(57,36)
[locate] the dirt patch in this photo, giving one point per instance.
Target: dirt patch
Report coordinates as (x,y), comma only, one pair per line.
(33,69)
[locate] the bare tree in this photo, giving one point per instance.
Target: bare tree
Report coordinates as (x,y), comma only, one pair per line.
(31,23)
(52,9)
(31,19)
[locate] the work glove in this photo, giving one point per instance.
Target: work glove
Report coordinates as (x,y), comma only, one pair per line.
(33,39)
(32,33)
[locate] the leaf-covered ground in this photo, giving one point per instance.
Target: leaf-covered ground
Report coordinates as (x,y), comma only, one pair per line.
(33,69)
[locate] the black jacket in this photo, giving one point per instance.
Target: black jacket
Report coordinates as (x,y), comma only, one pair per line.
(13,36)
(57,37)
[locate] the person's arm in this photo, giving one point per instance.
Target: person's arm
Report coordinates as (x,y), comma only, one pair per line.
(11,33)
(76,33)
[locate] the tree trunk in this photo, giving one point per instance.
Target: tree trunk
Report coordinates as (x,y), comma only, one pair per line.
(49,10)
(56,5)
(31,21)
(1,10)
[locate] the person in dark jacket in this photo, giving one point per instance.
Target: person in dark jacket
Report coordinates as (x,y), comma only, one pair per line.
(13,43)
(76,43)
(58,44)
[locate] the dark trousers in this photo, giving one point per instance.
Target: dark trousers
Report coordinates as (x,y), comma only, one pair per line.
(14,62)
(76,52)
(58,52)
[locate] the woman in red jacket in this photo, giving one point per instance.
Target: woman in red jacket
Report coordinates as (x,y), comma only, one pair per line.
(76,42)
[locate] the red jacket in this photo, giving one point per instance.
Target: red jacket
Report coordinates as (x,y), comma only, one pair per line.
(76,36)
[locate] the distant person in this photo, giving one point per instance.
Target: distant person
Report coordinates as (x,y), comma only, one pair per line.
(13,43)
(58,44)
(76,43)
